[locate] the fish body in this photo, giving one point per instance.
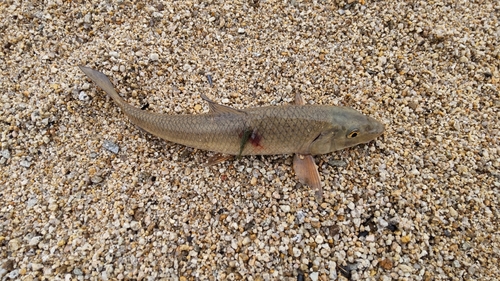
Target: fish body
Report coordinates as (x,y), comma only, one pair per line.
(301,129)
(270,130)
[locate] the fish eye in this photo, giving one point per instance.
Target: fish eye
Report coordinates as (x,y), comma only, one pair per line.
(354,133)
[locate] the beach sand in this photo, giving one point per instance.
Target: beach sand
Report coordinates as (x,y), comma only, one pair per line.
(86,195)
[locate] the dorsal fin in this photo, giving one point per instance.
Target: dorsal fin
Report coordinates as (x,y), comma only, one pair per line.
(216,108)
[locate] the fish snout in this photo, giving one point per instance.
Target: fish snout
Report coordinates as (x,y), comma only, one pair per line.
(375,128)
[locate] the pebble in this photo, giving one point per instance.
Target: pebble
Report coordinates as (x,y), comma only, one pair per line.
(319,239)
(83,96)
(386,264)
(154,57)
(296,252)
(31,202)
(77,271)
(96,179)
(35,240)
(253,181)
(36,266)
(53,207)
(351,206)
(87,18)
(405,239)
(337,163)
(111,146)
(405,268)
(25,163)
(14,245)
(285,208)
(13,274)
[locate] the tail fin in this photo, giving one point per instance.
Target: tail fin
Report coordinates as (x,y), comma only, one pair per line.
(103,82)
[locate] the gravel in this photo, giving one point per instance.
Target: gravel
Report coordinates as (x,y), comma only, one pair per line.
(419,203)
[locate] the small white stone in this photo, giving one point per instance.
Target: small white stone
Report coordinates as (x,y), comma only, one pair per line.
(225,100)
(5,153)
(14,245)
(13,274)
(246,241)
(157,15)
(383,223)
(314,276)
(87,18)
(405,268)
(276,195)
(241,30)
(319,239)
(154,57)
(114,54)
(134,225)
(83,96)
(453,213)
(285,208)
(351,206)
(25,163)
(423,254)
(370,238)
(296,252)
(36,266)
(415,172)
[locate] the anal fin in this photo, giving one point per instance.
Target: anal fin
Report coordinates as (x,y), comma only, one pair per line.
(218,158)
(307,172)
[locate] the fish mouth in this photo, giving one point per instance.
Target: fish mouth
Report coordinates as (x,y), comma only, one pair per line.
(377,129)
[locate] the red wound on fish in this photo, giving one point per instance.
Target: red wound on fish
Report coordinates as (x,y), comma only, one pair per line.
(249,135)
(255,139)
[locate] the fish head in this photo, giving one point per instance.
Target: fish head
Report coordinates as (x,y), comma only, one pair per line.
(347,127)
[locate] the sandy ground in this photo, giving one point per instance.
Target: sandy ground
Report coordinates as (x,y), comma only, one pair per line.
(86,195)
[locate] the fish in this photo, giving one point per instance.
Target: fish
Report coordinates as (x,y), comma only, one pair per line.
(300,129)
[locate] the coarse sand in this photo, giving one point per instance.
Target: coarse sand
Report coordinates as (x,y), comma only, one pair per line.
(86,195)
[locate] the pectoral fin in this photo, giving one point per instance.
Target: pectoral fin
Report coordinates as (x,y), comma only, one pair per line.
(307,172)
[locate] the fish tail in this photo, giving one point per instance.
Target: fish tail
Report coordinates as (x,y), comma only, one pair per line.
(103,82)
